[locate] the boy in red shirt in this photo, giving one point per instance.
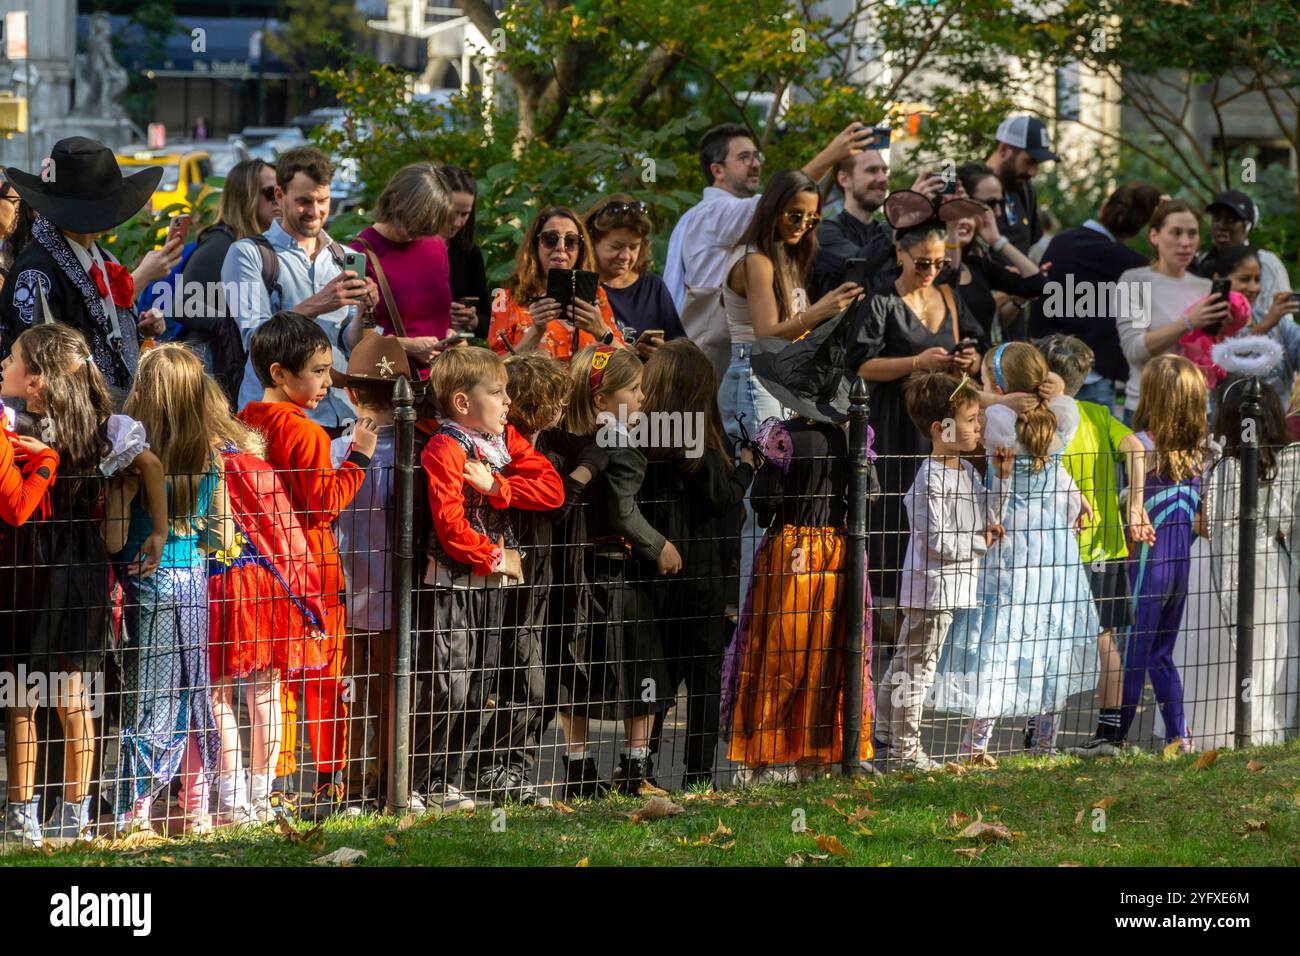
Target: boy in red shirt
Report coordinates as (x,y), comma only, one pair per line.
(293,361)
(478,467)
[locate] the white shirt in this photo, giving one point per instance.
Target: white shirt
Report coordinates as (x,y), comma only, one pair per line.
(1273,278)
(92,255)
(1164,299)
(948,510)
(701,240)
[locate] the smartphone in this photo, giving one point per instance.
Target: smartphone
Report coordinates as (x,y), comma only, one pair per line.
(949,186)
(179,226)
(565,285)
(1219,287)
(963,344)
(452,339)
(648,333)
(879,137)
(355,262)
(857,272)
(468,300)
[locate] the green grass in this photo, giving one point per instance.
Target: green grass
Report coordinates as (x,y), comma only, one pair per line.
(1164,812)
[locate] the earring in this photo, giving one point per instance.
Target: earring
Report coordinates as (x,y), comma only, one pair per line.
(898,264)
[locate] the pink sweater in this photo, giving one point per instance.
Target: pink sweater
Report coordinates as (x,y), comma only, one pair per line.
(420,279)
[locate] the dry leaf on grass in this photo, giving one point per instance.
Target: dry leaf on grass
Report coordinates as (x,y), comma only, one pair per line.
(390,840)
(714,839)
(408,820)
(1105,803)
(313,839)
(1206,759)
(582,862)
(954,768)
(983,760)
(1254,766)
(860,814)
(655,809)
(863,831)
(1078,817)
(988,832)
(650,790)
(973,852)
(562,807)
(828,843)
(343,856)
(138,839)
(1257,826)
(1069,863)
(167,859)
(957,818)
(1173,751)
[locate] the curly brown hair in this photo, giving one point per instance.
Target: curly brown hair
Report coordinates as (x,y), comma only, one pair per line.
(528,281)
(538,387)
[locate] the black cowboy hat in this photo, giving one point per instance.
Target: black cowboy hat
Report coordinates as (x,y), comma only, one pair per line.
(908,209)
(82,189)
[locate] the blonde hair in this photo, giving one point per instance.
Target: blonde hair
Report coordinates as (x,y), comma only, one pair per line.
(1171,407)
(73,393)
(459,370)
(416,200)
(623,369)
(239,197)
(1023,370)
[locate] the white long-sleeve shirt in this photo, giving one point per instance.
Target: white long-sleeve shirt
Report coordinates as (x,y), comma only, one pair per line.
(702,239)
(1165,299)
(949,510)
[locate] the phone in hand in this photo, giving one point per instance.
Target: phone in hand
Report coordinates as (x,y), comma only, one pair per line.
(453,338)
(949,184)
(879,137)
(648,333)
(179,226)
(565,285)
(355,262)
(1221,288)
(1293,301)
(470,300)
(963,344)
(857,272)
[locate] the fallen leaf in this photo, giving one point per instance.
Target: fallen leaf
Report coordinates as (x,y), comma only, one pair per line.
(988,832)
(1083,779)
(863,831)
(973,852)
(1105,803)
(907,777)
(343,856)
(565,838)
(1257,826)
(1078,818)
(1254,766)
(957,818)
(994,807)
(313,839)
(984,760)
(167,859)
(390,840)
(708,840)
(794,859)
(1069,863)
(1206,759)
(562,807)
(582,862)
(954,768)
(860,814)
(831,844)
(656,808)
(407,821)
(139,838)
(1173,751)
(650,790)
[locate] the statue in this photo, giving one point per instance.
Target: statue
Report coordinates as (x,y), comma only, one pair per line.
(100,79)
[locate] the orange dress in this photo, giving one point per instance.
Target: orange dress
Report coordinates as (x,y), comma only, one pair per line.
(512,320)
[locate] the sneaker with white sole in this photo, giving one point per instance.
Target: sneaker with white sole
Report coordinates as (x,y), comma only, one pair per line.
(1097,747)
(22,825)
(448,797)
(71,821)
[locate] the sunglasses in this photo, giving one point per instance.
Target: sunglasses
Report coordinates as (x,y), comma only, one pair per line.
(925,265)
(268,193)
(572,241)
(619,207)
(994,203)
(794,218)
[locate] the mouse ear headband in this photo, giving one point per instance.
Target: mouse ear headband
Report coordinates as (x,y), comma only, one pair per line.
(909,209)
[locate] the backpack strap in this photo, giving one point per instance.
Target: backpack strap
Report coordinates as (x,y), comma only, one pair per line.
(270,268)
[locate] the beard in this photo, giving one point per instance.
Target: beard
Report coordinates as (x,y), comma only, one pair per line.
(869,199)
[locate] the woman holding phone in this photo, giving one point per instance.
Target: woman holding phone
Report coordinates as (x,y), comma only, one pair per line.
(1179,301)
(620,228)
(525,318)
(471,308)
(407,258)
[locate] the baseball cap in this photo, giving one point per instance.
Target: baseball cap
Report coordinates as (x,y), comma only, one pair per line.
(1027,133)
(1236,202)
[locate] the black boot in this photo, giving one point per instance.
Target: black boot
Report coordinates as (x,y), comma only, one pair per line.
(582,779)
(630,775)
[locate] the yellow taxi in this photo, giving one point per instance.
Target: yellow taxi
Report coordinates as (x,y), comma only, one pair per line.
(184,173)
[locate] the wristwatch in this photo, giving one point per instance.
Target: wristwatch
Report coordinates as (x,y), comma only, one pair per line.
(607,338)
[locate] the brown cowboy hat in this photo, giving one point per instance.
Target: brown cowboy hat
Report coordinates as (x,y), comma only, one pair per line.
(82,189)
(377,358)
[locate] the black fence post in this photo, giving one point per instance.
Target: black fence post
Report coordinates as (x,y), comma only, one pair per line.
(1249,507)
(399,769)
(855,587)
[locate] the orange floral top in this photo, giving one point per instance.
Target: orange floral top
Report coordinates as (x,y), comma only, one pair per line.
(511,320)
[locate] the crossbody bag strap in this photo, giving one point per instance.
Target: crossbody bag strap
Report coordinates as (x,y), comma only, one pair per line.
(950,304)
(393,315)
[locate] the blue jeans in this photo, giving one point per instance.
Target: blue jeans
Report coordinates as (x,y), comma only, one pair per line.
(1100,392)
(742,393)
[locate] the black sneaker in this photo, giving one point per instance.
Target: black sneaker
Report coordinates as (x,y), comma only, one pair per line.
(521,789)
(630,775)
(582,779)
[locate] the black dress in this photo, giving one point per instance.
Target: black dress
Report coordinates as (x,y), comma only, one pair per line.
(887,328)
(989,275)
(469,277)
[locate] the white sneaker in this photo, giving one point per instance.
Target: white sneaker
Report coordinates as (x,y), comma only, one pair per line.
(1097,747)
(448,797)
(198,823)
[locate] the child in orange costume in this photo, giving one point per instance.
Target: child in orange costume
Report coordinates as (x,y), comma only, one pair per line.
(292,358)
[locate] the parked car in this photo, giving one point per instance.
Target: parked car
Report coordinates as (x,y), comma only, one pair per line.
(268,142)
(185,167)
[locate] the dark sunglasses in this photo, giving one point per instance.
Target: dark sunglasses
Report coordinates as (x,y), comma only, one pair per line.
(619,207)
(794,217)
(551,239)
(268,193)
(994,203)
(925,265)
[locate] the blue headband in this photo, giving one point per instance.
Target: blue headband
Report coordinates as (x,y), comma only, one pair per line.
(997,366)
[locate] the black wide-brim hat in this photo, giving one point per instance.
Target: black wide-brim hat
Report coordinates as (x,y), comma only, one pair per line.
(81,189)
(802,376)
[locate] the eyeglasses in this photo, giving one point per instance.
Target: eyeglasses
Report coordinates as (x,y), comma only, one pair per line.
(268,193)
(619,207)
(998,203)
(572,241)
(749,159)
(794,217)
(938,265)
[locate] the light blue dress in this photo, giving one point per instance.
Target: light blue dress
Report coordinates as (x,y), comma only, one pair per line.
(1032,641)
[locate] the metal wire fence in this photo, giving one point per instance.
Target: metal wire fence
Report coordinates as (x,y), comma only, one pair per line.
(260,676)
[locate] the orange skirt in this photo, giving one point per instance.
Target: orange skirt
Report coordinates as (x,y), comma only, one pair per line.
(790,687)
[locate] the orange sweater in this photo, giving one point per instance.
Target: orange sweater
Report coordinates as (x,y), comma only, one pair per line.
(19,493)
(299,450)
